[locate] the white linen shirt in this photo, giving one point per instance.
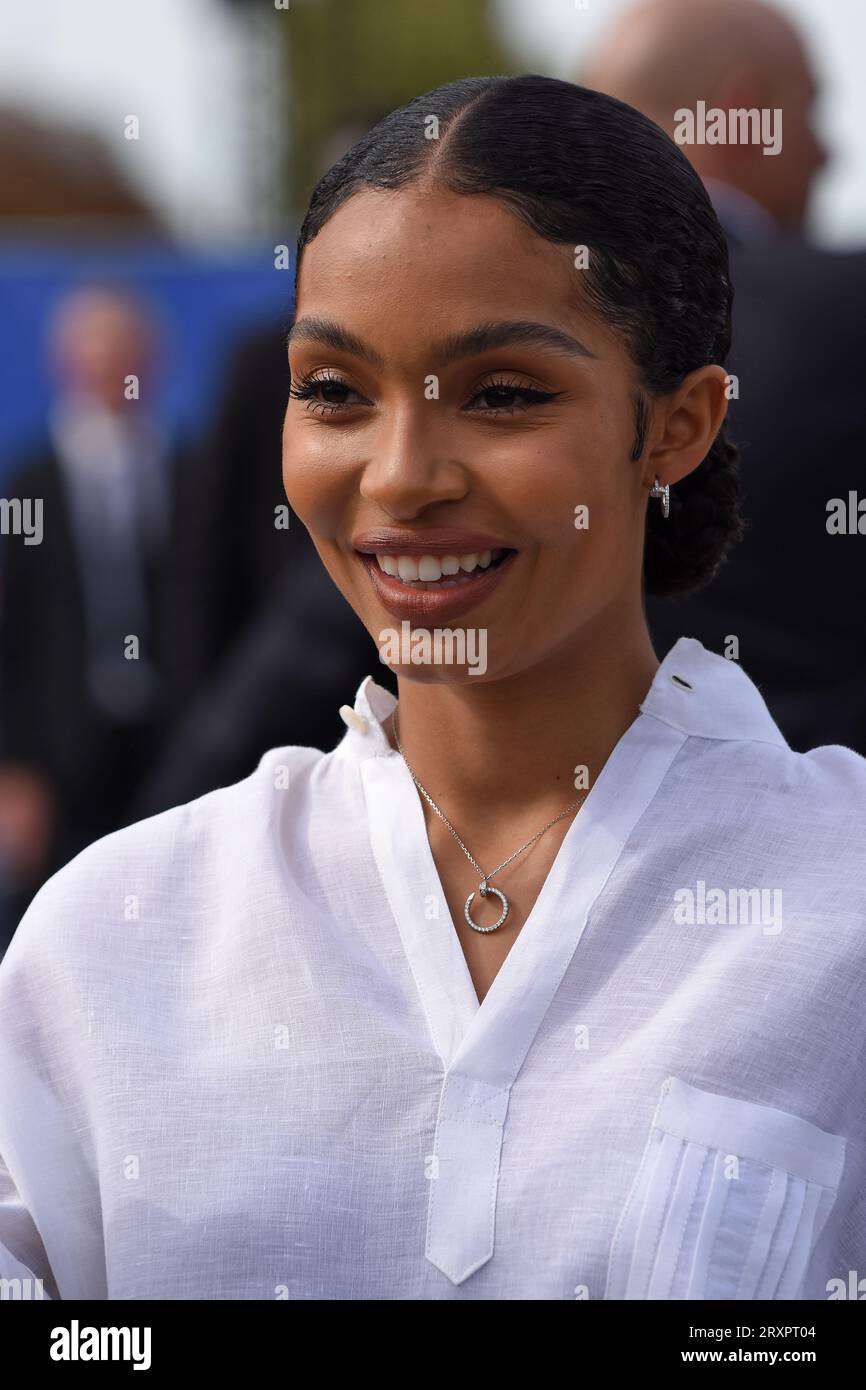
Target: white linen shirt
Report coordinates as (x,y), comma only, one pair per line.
(241,1055)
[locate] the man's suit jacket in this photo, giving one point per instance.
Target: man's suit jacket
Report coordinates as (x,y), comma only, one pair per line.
(791,592)
(49,720)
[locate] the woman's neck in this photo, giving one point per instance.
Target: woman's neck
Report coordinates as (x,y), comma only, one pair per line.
(519,739)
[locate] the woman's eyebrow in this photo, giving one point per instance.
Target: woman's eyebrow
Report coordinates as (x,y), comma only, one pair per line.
(470,343)
(517,332)
(331,334)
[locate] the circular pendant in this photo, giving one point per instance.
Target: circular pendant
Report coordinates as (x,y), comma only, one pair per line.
(485,890)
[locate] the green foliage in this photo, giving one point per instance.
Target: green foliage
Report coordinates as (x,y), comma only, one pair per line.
(349,62)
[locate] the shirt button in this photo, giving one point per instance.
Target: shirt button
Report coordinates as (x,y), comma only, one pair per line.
(353,719)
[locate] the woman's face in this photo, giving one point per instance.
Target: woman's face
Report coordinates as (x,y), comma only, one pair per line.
(430,437)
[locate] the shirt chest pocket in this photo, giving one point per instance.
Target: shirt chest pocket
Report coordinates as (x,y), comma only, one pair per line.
(727,1203)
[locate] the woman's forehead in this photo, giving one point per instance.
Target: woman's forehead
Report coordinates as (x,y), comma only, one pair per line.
(414,228)
(439,262)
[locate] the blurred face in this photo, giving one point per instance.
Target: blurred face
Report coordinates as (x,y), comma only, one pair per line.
(733,55)
(453,404)
(99,339)
(786,186)
(782,182)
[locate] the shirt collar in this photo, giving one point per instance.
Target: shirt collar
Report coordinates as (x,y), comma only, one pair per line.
(694,690)
(365,735)
(709,696)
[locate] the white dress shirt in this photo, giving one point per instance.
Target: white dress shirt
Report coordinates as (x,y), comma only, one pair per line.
(241,1055)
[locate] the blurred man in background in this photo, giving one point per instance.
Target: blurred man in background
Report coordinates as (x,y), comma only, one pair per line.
(97,638)
(789,592)
(667,55)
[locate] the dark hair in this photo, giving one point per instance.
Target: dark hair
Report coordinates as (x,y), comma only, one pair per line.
(582,168)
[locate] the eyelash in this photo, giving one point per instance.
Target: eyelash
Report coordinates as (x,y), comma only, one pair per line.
(306,389)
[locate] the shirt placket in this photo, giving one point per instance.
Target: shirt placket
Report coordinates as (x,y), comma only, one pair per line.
(465,1175)
(461,1211)
(482,1048)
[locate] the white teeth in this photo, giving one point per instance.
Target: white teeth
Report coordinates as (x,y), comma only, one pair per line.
(429,568)
(407,568)
(436,569)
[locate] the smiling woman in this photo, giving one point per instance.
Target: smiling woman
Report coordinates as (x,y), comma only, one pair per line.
(410,1019)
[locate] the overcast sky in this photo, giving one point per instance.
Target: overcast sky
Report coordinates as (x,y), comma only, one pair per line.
(191,71)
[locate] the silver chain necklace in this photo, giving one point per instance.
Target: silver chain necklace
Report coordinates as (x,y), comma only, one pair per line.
(484,888)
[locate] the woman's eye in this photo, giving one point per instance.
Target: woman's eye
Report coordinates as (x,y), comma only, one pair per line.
(330,394)
(323,395)
(507,397)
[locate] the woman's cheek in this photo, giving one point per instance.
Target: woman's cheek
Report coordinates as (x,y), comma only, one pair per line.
(314,488)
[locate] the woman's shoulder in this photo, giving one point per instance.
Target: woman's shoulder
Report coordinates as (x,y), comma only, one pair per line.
(824,800)
(829,780)
(771,812)
(834,771)
(216,818)
(165,867)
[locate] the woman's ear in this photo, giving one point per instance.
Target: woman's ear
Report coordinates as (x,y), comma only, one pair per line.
(685,424)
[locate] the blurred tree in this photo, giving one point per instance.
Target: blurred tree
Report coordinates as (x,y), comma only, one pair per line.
(350,62)
(61,178)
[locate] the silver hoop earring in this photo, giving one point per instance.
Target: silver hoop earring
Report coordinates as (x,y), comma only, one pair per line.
(664,493)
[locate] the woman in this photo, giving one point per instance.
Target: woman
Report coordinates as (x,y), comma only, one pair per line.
(546,982)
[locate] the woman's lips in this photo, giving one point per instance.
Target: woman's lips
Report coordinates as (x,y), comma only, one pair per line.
(421,604)
(432,540)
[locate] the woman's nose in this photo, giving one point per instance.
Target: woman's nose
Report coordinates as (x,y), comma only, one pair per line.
(410,467)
